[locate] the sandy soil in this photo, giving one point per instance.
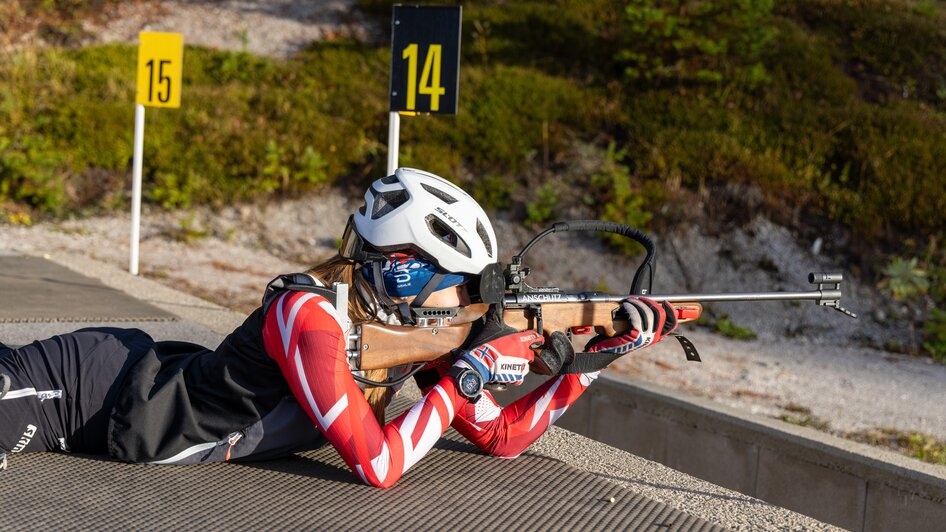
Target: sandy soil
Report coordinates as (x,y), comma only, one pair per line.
(274,28)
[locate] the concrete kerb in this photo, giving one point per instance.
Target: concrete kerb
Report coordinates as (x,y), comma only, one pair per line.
(839,481)
(803,443)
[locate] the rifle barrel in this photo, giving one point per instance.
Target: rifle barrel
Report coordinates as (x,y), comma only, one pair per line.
(598,297)
(815,295)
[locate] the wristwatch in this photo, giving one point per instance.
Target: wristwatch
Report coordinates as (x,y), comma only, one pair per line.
(469,382)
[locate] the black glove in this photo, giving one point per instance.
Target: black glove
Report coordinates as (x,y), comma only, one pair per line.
(487,328)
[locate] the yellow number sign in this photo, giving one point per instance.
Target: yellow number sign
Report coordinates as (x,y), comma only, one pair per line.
(160,62)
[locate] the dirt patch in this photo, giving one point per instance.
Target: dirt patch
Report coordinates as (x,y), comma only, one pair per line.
(273,28)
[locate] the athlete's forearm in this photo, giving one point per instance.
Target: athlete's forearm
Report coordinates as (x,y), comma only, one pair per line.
(509,431)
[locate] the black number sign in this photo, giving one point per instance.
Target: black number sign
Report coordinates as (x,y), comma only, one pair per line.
(425,59)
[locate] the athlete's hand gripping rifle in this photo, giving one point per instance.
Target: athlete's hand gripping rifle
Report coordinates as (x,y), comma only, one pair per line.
(549,309)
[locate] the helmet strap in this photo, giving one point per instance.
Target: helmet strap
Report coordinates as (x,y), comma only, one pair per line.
(428,289)
(403,309)
(379,289)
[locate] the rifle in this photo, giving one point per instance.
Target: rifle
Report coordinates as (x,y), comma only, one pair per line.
(549,310)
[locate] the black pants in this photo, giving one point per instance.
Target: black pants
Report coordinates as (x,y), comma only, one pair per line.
(63,388)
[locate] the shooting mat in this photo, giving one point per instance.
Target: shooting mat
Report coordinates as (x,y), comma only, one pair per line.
(33,289)
(454,486)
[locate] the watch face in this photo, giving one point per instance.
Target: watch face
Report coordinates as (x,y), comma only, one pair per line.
(470,383)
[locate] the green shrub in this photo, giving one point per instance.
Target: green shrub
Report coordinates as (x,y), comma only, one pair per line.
(171,191)
(727,328)
(916,444)
(904,279)
(622,203)
(938,284)
(894,48)
(543,208)
(564,37)
(503,113)
(247,125)
(493,191)
(696,41)
(935,329)
(806,138)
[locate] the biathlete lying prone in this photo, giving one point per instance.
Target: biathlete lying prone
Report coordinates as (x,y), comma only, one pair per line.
(281,382)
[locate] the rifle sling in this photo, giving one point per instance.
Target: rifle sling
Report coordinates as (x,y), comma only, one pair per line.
(589,362)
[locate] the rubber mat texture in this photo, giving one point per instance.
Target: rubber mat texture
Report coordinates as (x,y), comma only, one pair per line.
(454,486)
(33,289)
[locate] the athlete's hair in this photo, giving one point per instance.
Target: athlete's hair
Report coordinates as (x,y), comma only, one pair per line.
(362,308)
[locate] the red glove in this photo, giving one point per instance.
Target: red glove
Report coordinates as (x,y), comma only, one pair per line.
(650,322)
(503,360)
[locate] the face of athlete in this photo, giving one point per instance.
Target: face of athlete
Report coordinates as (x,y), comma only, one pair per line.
(407,270)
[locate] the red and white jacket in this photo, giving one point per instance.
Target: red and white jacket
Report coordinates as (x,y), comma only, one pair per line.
(305,337)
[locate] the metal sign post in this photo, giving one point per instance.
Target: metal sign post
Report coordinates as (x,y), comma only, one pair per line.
(425,66)
(136,187)
(394,139)
(160,66)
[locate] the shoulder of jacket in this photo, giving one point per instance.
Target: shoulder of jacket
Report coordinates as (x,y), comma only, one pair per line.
(295,282)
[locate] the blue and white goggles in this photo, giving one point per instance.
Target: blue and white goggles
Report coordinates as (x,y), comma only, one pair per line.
(406,275)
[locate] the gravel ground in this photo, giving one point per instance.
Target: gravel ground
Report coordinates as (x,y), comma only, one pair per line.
(274,28)
(805,358)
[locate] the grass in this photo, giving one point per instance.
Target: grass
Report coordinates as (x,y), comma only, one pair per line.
(923,447)
(801,415)
(806,420)
(915,444)
(727,328)
(720,323)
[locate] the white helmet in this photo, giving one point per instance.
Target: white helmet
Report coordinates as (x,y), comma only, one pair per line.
(419,210)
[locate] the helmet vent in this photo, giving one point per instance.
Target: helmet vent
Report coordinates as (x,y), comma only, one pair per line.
(443,196)
(447,235)
(389,180)
(484,236)
(387,202)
